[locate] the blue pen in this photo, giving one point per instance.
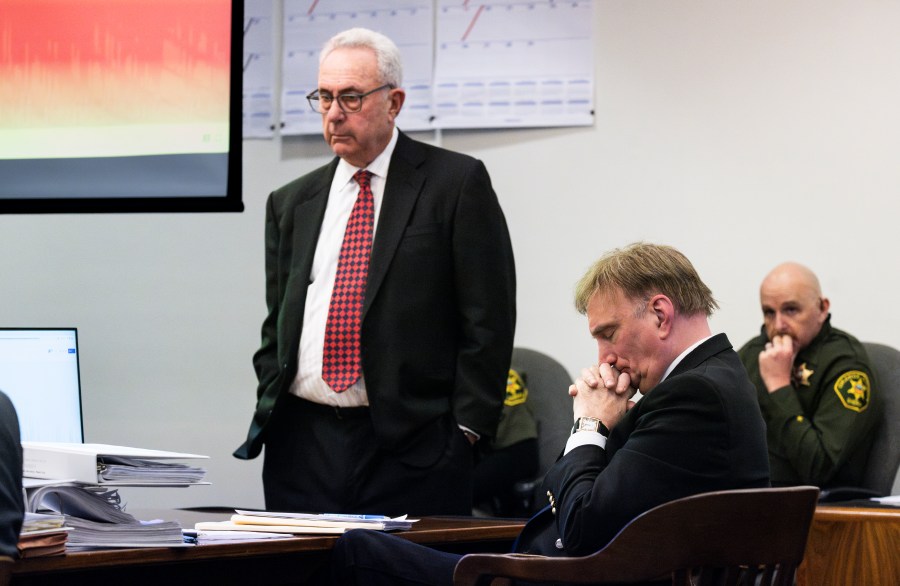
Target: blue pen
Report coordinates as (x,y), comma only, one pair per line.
(360,517)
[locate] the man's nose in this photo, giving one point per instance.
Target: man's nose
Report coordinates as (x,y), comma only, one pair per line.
(780,323)
(334,113)
(607,357)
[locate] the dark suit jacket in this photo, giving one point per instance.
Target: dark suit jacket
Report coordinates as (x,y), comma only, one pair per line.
(439,311)
(12,505)
(699,430)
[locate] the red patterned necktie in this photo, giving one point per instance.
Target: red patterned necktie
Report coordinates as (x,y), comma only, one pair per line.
(341,356)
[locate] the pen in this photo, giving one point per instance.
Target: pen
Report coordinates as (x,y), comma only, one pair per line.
(360,517)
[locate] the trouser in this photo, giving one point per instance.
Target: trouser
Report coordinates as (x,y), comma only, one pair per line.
(323,459)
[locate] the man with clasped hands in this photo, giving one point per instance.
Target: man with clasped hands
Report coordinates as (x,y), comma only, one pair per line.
(697,427)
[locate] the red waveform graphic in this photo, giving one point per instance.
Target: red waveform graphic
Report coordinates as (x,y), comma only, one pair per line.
(113,62)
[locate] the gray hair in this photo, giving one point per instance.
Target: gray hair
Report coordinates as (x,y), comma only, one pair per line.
(390,66)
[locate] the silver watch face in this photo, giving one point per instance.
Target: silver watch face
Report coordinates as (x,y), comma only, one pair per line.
(589,424)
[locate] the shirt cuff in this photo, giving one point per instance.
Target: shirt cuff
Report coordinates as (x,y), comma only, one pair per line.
(467,430)
(585,438)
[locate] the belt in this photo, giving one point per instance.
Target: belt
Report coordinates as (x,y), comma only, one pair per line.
(330,410)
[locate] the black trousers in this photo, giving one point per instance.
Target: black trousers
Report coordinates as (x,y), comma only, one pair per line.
(326,460)
(369,558)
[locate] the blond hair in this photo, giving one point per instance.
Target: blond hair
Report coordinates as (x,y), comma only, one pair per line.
(641,270)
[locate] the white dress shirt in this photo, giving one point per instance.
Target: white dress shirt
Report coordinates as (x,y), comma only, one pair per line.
(308,383)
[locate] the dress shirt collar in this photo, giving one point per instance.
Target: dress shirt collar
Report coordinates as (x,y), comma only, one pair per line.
(681,356)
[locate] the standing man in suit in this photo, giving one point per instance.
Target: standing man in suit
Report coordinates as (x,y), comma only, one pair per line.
(814,382)
(390,287)
(696,429)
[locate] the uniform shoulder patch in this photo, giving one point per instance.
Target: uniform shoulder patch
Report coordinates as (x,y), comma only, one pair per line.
(853,390)
(516,393)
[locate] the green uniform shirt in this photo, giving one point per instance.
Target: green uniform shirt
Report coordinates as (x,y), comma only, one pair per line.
(819,428)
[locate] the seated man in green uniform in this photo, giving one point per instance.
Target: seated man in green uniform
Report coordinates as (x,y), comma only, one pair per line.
(512,455)
(815,385)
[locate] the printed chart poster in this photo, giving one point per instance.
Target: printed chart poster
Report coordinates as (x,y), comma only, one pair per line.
(308,24)
(259,75)
(509,63)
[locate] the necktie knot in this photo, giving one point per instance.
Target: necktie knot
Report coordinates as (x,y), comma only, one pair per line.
(363,178)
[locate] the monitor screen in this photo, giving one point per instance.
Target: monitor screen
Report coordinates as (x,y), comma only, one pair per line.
(112,106)
(39,373)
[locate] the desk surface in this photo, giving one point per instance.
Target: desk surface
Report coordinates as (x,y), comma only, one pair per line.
(859,544)
(281,560)
(852,545)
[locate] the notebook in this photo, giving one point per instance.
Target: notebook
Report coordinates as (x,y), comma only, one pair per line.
(39,373)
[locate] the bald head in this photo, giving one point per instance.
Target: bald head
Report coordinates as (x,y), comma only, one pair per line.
(792,303)
(794,276)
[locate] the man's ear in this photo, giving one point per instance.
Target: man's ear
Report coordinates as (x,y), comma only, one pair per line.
(398,96)
(664,311)
(824,306)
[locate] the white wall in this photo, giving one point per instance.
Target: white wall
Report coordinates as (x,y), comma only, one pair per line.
(743,133)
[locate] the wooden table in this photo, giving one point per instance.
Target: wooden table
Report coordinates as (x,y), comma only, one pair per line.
(281,561)
(847,545)
(850,545)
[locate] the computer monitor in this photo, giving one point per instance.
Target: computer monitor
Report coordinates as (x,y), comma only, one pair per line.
(39,372)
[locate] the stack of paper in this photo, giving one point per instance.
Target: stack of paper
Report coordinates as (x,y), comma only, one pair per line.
(108,464)
(220,536)
(304,523)
(94,517)
(87,502)
(121,470)
(91,534)
(42,535)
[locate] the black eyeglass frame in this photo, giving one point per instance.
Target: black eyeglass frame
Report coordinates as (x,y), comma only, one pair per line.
(316,103)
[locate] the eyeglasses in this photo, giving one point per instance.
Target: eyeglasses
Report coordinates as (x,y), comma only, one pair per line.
(349,103)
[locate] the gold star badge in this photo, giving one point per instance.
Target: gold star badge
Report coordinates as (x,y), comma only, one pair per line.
(802,374)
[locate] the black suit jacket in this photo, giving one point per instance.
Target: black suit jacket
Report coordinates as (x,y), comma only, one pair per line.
(699,430)
(12,506)
(439,310)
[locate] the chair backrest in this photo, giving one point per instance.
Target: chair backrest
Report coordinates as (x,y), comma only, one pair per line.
(753,536)
(547,382)
(884,457)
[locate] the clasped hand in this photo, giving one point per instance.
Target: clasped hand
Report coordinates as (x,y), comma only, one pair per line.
(602,392)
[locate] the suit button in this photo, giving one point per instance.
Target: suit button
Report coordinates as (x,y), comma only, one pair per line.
(559,544)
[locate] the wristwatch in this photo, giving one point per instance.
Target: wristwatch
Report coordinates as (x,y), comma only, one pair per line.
(590,424)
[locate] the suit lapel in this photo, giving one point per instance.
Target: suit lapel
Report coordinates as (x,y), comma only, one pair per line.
(404,183)
(307,223)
